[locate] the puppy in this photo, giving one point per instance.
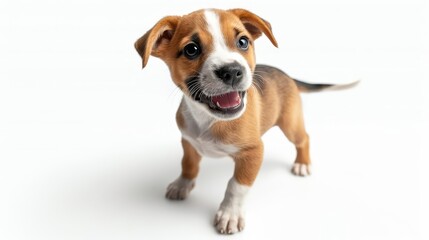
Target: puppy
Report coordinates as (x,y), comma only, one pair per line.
(229,102)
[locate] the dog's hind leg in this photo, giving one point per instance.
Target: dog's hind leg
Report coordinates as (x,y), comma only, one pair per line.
(292,125)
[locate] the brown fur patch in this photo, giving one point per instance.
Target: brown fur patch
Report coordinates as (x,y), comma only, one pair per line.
(190,162)
(278,104)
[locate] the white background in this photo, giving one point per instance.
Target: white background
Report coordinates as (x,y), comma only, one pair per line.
(88,141)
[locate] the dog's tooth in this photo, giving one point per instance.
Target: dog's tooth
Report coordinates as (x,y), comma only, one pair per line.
(217,104)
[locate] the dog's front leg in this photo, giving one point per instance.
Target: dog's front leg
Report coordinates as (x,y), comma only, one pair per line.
(180,188)
(230,216)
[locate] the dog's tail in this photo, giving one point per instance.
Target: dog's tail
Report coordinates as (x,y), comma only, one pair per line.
(317,87)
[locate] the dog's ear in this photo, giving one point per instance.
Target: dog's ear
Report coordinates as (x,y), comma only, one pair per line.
(254,24)
(157,38)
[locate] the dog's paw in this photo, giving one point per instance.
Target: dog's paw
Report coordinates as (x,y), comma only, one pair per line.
(179,189)
(228,221)
(301,169)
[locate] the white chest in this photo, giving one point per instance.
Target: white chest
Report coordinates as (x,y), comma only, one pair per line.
(211,148)
(197,132)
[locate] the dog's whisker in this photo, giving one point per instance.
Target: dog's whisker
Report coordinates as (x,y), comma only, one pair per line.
(260,77)
(194,91)
(258,88)
(174,92)
(259,81)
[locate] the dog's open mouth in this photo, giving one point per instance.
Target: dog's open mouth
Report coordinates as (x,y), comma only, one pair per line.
(227,103)
(231,102)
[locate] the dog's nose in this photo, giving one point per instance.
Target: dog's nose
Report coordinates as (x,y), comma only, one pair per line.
(230,74)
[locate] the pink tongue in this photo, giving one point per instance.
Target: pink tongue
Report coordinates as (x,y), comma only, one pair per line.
(227,100)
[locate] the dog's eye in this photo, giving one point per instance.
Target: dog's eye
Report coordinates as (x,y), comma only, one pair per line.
(243,43)
(192,50)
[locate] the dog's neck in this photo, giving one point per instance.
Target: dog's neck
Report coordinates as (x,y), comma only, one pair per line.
(196,117)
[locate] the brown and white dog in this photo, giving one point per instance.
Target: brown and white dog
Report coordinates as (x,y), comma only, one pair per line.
(229,102)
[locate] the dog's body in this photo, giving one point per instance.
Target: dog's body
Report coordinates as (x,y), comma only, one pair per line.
(272,101)
(229,102)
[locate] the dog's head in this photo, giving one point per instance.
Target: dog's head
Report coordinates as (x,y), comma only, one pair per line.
(210,54)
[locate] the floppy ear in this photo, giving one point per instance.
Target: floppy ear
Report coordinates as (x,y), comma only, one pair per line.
(254,24)
(157,38)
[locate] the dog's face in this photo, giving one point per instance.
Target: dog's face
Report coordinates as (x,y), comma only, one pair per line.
(210,54)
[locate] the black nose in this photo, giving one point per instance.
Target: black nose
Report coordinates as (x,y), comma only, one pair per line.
(230,74)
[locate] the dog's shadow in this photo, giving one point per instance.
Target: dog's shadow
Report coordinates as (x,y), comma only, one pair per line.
(134,186)
(143,183)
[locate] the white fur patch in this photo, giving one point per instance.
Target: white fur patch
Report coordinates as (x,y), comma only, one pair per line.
(301,169)
(221,55)
(213,26)
(210,148)
(230,216)
(197,131)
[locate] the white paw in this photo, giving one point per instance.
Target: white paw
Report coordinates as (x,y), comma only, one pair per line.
(179,189)
(228,221)
(301,169)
